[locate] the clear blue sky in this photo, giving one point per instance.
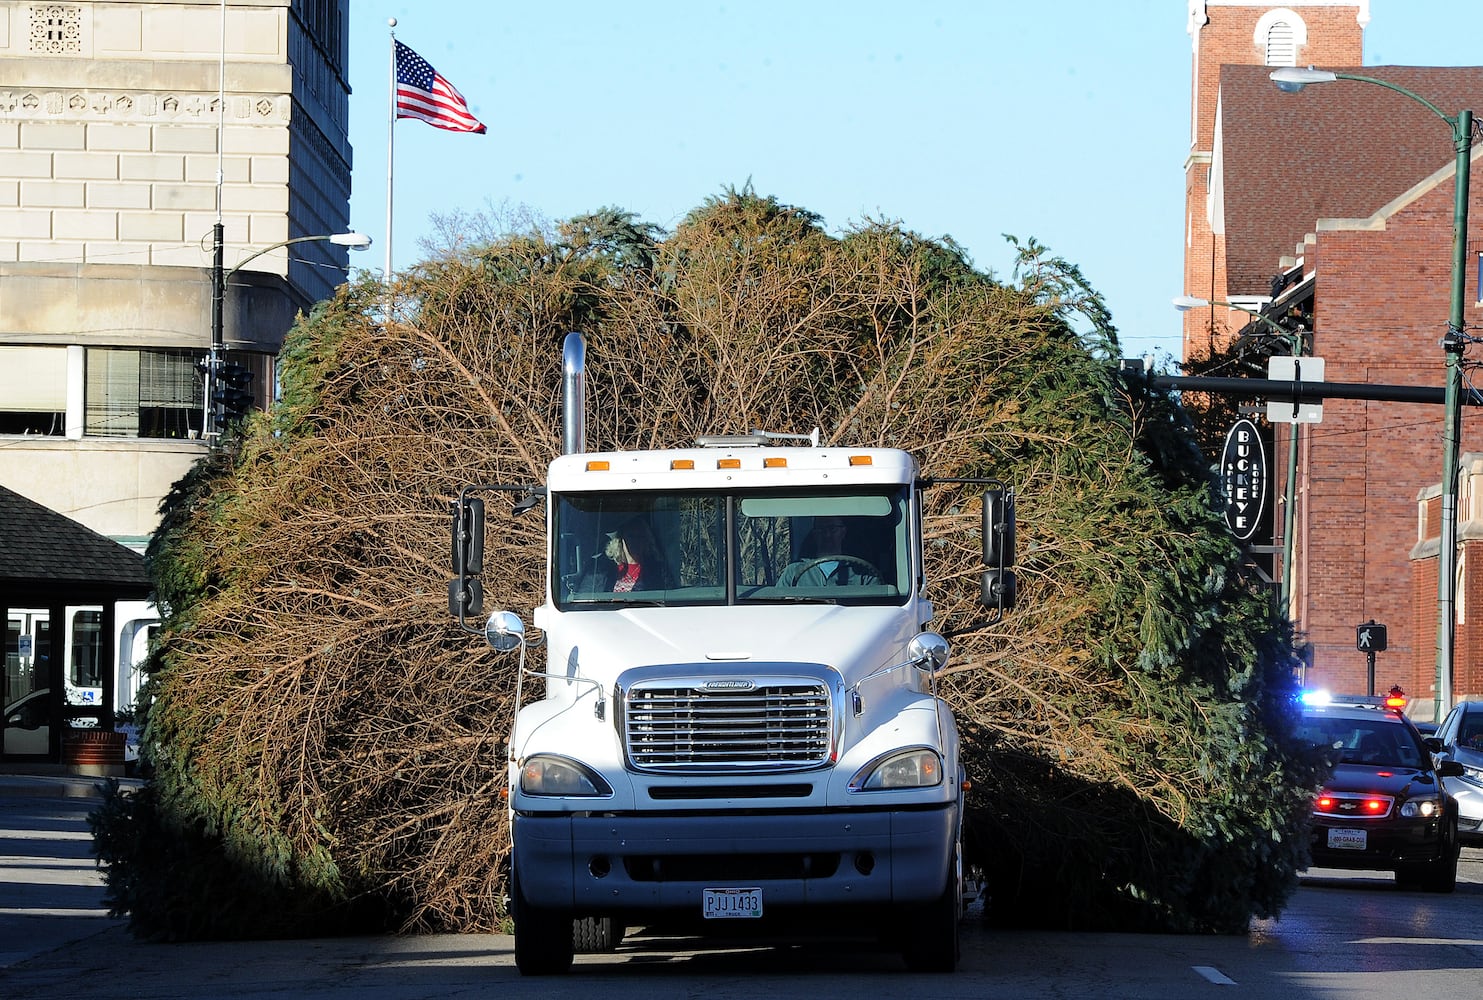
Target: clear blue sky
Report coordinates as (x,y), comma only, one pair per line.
(1062,120)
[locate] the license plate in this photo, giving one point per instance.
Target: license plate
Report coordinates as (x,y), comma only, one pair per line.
(731,904)
(1348,840)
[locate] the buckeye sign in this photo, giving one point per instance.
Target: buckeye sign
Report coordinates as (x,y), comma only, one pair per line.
(1243,479)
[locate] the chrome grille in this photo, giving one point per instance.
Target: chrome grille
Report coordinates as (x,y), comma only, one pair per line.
(782,725)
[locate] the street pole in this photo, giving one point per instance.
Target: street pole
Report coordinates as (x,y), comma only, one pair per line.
(209,424)
(1289,498)
(1292,79)
(1462,140)
(219,278)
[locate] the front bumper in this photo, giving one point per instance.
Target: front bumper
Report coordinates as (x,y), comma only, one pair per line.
(628,863)
(1388,844)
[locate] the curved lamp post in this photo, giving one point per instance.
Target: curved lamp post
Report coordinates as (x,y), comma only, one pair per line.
(1292,79)
(1184,303)
(219,277)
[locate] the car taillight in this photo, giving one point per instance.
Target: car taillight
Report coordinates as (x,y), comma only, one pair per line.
(1375,807)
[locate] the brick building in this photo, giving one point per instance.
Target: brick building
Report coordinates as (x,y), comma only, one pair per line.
(1330,211)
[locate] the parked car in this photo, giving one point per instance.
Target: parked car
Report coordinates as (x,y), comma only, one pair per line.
(28,729)
(1460,739)
(1386,805)
(27,724)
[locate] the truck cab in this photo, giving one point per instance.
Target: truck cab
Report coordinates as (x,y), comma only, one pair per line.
(736,726)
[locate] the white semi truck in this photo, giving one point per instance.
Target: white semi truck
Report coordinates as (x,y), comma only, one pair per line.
(740,728)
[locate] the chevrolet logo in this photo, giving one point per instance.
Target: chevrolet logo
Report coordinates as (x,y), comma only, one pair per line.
(1348,806)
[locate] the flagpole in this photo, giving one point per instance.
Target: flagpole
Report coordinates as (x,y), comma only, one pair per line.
(390,152)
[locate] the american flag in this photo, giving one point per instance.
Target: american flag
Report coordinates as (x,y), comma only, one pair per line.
(422,93)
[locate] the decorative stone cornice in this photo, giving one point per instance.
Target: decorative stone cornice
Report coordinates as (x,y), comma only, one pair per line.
(143,107)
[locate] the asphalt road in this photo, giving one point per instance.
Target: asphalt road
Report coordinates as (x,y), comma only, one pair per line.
(1344,935)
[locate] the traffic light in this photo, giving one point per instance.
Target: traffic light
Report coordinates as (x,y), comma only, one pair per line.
(233,392)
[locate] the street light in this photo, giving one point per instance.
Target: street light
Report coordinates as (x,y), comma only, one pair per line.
(1292,79)
(219,278)
(1184,303)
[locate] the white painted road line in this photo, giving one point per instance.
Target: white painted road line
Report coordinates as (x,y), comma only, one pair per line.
(1214,975)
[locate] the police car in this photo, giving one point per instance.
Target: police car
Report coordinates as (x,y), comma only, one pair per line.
(1385,805)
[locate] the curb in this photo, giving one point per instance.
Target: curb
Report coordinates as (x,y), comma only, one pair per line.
(58,786)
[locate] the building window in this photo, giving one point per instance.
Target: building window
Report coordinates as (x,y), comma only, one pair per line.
(56,29)
(140,393)
(33,390)
(85,665)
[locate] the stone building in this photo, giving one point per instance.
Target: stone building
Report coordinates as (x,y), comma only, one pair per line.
(1330,211)
(121,145)
(128,132)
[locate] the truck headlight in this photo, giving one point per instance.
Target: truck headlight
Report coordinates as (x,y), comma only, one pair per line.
(1424,806)
(547,774)
(919,768)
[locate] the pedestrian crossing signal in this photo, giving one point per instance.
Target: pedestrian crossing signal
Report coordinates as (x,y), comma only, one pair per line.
(1370,637)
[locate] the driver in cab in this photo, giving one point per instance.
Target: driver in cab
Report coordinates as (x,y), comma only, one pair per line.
(823,561)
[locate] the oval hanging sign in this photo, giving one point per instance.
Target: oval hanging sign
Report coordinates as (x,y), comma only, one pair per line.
(1243,478)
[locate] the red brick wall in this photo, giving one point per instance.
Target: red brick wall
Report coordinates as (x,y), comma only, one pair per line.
(1467,667)
(1335,38)
(1422,670)
(1467,654)
(1382,303)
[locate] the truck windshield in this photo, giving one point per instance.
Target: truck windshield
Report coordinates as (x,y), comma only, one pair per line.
(693,548)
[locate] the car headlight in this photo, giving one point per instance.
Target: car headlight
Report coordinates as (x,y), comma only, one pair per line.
(919,768)
(1424,807)
(547,774)
(1472,773)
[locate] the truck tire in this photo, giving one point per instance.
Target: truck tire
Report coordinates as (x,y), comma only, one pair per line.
(932,943)
(596,935)
(932,934)
(543,936)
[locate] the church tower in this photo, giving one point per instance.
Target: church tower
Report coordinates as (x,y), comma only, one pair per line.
(1321,33)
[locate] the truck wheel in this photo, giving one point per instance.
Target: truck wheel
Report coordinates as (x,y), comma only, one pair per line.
(932,934)
(543,937)
(594,935)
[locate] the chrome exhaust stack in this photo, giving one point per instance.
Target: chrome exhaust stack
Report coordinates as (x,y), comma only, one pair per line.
(573,395)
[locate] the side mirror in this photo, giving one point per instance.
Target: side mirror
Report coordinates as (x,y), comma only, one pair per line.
(468,537)
(998,529)
(1432,743)
(465,597)
(505,631)
(1450,769)
(999,589)
(928,651)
